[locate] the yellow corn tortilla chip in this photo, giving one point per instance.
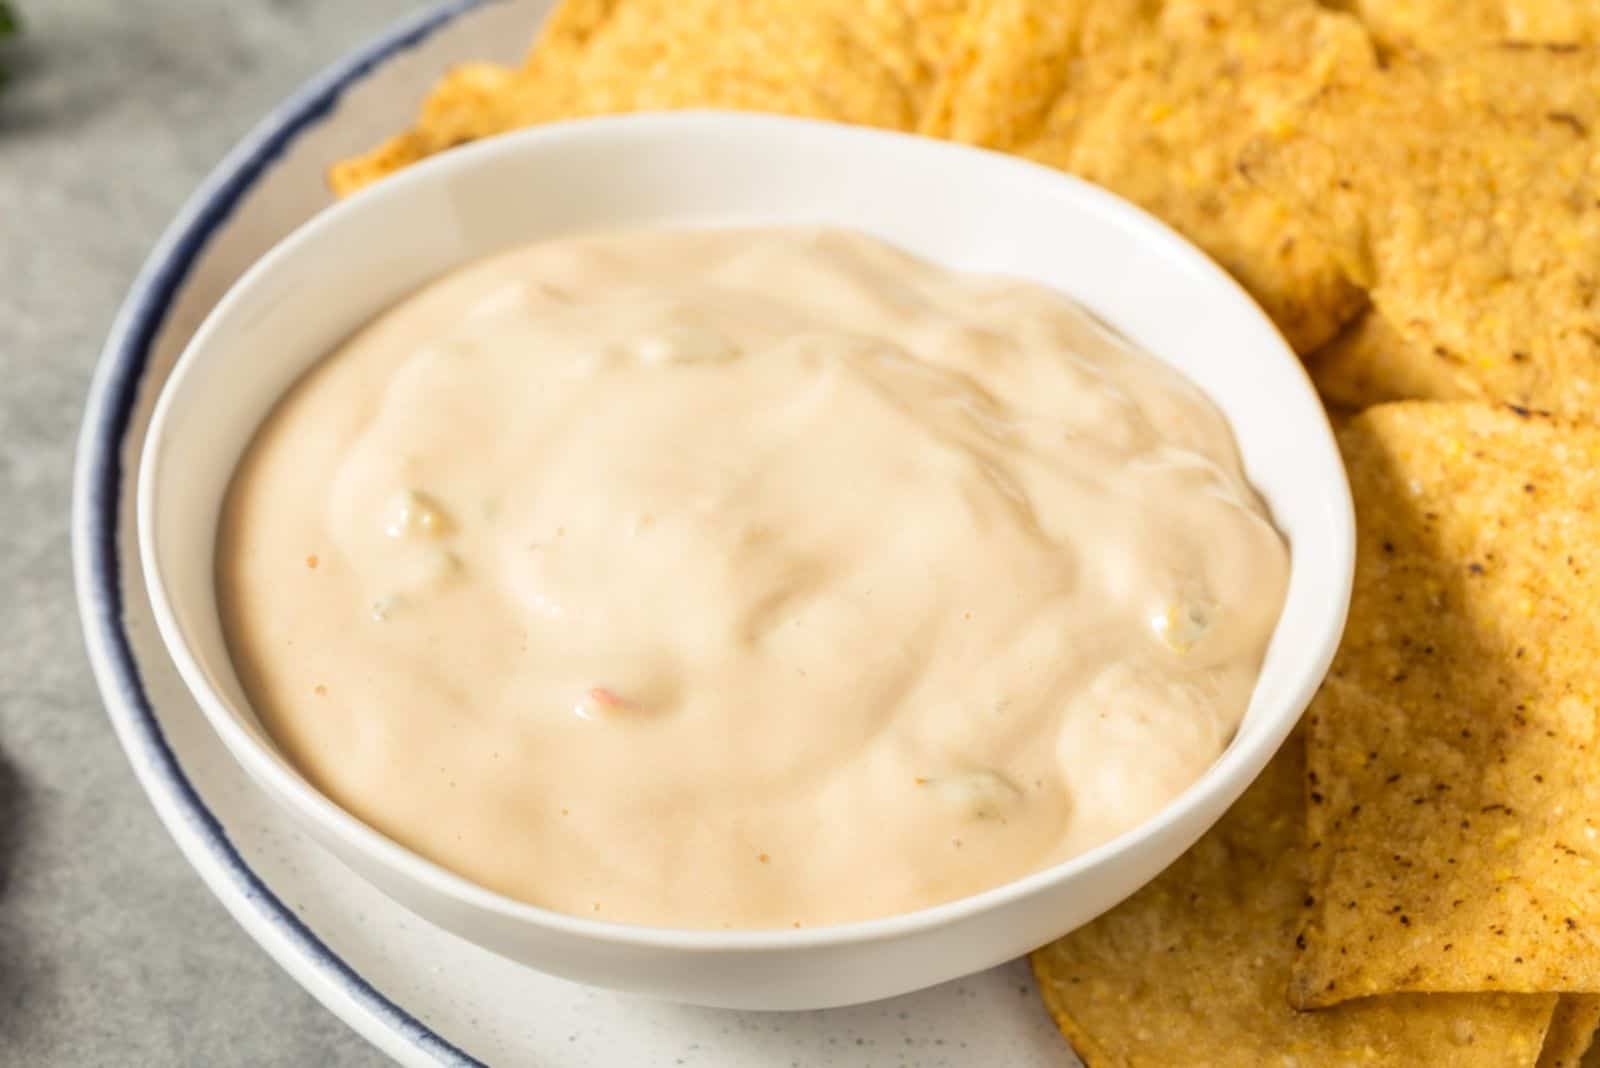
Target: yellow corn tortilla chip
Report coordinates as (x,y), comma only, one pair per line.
(1591,1056)
(1455,792)
(1463,192)
(1571,1031)
(1192,970)
(1370,363)
(1155,102)
(472,101)
(1442,25)
(873,62)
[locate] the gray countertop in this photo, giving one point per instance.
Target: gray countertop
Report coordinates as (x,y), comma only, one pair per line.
(111,950)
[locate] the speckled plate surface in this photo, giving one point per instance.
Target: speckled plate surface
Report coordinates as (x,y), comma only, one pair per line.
(423,996)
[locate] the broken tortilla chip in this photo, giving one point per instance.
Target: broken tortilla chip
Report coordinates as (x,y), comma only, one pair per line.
(1370,363)
(1463,192)
(1155,102)
(1192,970)
(1454,822)
(1443,25)
(1571,1031)
(871,62)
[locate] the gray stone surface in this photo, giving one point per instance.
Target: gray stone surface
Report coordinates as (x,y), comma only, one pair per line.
(111,950)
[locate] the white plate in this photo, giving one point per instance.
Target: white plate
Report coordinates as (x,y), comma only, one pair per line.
(423,996)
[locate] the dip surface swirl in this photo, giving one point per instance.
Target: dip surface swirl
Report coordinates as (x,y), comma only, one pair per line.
(748,579)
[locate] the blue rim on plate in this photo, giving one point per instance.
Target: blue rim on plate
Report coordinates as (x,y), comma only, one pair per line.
(98,485)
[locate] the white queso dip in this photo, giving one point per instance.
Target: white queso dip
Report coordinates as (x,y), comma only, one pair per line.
(747,579)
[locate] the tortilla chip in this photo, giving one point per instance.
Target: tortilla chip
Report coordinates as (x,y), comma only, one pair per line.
(1369,363)
(1155,102)
(472,101)
(1455,816)
(1571,1031)
(1463,192)
(1444,25)
(873,62)
(1192,969)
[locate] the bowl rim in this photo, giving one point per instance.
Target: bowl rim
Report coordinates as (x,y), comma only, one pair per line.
(289,789)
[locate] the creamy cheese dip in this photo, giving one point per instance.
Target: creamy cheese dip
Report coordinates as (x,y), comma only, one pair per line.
(745,578)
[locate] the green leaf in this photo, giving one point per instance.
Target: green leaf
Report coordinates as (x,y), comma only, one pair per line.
(9,25)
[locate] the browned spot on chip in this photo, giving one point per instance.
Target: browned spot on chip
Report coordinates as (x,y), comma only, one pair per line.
(1192,969)
(1570,121)
(1499,872)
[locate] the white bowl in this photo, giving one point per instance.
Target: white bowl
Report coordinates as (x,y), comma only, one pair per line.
(965,208)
